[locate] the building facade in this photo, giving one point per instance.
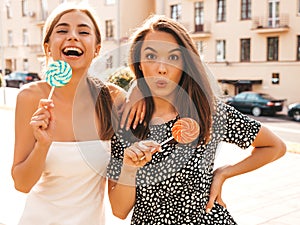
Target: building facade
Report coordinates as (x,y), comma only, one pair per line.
(247,44)
(22,23)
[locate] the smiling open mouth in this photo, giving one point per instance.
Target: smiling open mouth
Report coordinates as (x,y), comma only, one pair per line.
(72,51)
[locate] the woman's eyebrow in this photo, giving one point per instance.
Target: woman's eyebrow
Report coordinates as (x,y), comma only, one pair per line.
(84,25)
(151,49)
(175,50)
(62,25)
(67,25)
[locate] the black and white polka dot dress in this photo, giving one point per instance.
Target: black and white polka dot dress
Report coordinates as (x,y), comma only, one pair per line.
(173,188)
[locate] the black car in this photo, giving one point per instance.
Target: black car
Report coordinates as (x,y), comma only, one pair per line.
(294,111)
(256,103)
(18,79)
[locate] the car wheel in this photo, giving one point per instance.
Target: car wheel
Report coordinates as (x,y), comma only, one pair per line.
(21,84)
(296,116)
(256,111)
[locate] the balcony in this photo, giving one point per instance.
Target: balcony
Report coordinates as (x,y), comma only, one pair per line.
(201,30)
(264,25)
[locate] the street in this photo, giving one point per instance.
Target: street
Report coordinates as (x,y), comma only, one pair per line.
(267,196)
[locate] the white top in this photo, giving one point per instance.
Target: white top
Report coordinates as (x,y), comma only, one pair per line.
(71,188)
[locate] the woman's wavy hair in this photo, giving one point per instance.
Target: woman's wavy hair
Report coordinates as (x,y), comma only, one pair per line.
(195,97)
(104,109)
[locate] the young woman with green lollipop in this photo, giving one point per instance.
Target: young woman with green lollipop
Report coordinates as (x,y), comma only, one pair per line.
(62,141)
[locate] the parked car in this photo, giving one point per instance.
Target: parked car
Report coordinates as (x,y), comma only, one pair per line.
(18,79)
(256,103)
(294,111)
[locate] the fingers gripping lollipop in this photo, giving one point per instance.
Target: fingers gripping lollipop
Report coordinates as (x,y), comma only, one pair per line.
(184,131)
(59,73)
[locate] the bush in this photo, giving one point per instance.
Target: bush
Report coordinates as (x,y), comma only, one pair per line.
(122,78)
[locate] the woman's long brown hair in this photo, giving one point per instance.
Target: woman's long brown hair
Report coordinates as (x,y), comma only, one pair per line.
(195,98)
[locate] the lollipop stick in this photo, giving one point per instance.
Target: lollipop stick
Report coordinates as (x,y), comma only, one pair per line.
(166,141)
(51,92)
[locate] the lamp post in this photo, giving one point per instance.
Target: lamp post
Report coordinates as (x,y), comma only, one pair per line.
(2,51)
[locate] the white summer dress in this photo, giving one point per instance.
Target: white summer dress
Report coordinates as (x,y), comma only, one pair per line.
(71,188)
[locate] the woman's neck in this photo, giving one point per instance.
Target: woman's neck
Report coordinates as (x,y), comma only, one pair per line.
(164,111)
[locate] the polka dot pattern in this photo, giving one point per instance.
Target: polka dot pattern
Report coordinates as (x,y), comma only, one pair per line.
(173,188)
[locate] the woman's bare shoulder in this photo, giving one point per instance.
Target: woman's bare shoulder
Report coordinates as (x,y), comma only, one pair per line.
(32,92)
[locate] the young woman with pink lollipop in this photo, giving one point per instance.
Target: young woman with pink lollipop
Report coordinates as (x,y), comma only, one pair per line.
(63,132)
(174,183)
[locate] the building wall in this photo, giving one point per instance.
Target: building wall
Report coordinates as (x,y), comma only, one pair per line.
(126,18)
(232,30)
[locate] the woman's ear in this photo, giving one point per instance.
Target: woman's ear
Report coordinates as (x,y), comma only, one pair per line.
(47,49)
(98,47)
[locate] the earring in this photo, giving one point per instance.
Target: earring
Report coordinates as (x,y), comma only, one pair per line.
(140,68)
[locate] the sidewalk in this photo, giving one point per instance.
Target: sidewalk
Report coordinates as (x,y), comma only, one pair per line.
(267,196)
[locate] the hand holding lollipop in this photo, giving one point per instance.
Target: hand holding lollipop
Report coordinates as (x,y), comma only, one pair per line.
(59,73)
(184,131)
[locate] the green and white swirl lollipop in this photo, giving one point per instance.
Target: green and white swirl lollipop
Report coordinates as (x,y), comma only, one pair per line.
(59,74)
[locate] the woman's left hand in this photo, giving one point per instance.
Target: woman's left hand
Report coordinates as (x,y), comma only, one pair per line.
(216,189)
(133,110)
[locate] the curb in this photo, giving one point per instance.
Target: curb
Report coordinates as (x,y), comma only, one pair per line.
(292,147)
(6,107)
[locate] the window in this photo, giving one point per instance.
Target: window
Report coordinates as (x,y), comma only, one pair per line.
(8,10)
(199,46)
(25,65)
(272,49)
(246,9)
(10,41)
(245,50)
(221,12)
(25,8)
(220,51)
(176,12)
(275,78)
(298,48)
(44,9)
(199,16)
(109,30)
(273,18)
(110,2)
(25,37)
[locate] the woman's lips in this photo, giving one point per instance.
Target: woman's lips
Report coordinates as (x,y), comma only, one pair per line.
(161,83)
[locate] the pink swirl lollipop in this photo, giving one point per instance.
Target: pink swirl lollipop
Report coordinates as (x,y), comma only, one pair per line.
(184,131)
(59,74)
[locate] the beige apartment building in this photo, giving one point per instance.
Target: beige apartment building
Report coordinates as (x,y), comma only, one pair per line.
(247,44)
(22,21)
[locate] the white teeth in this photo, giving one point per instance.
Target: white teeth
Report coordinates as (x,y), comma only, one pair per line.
(72,49)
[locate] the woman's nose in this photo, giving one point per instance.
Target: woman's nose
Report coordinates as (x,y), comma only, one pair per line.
(72,36)
(162,70)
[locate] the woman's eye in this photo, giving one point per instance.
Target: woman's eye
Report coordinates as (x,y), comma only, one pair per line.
(61,31)
(150,56)
(84,32)
(174,57)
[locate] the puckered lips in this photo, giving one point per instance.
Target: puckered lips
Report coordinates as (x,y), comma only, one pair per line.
(161,82)
(72,51)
